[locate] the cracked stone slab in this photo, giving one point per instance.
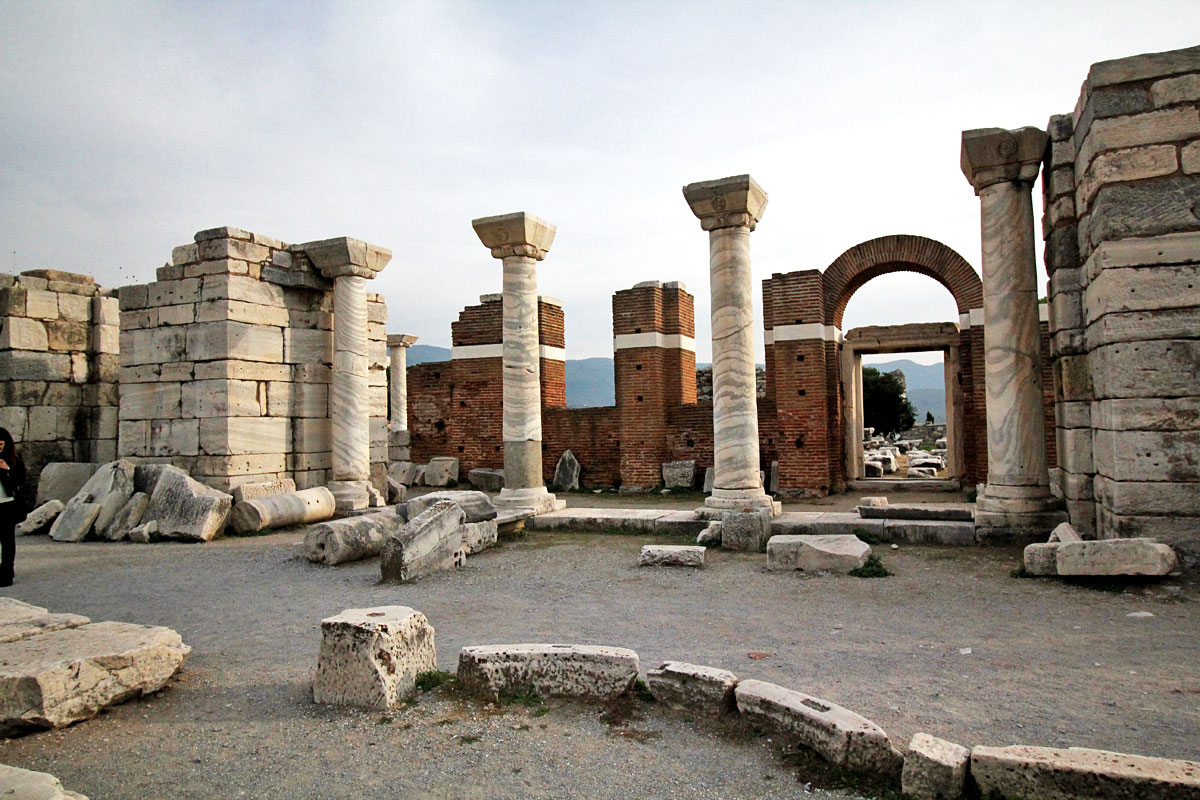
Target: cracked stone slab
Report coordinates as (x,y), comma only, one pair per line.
(1075,773)
(549,670)
(20,620)
(934,768)
(24,784)
(671,555)
(692,687)
(371,657)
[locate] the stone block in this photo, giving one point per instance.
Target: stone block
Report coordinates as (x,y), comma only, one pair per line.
(548,670)
(65,676)
(441,471)
(62,480)
(245,435)
(934,769)
(1116,557)
(150,401)
(1041,558)
(1175,498)
(241,311)
(745,530)
(256,489)
(40,519)
(242,371)
(709,478)
(22,333)
(679,474)
(476,506)
(1065,532)
(1171,91)
(305,346)
(118,525)
(36,366)
(1049,773)
(24,784)
(212,341)
(1148,455)
(41,304)
(153,346)
(836,734)
(41,424)
(925,531)
(1148,208)
(185,508)
(371,657)
(1135,130)
(221,398)
(485,480)
(812,553)
(311,435)
(479,536)
(1133,164)
(351,539)
(174,437)
(429,542)
(692,688)
(1190,158)
(97,501)
(566,473)
(1151,369)
(710,536)
(668,555)
(75,308)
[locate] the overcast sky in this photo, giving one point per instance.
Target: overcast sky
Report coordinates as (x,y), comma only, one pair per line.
(127,127)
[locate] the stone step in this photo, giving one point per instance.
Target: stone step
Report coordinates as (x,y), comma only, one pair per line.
(955,512)
(887,486)
(639,520)
(903,531)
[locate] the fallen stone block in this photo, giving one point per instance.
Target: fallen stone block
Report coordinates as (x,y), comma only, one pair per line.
(670,555)
(109,488)
(1116,557)
(62,480)
(692,688)
(679,474)
(709,480)
(1077,773)
(942,512)
(64,676)
(130,516)
(547,670)
(745,530)
(566,472)
(75,521)
(1041,558)
(921,472)
(20,620)
(282,510)
(874,469)
(144,533)
(872,502)
(403,472)
(479,536)
(24,784)
(836,734)
(184,508)
(934,769)
(339,541)
(1065,532)
(918,531)
(253,491)
(833,553)
(427,543)
(476,506)
(397,492)
(40,519)
(371,657)
(710,536)
(486,480)
(441,471)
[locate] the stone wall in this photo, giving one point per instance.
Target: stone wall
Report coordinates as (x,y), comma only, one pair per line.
(1122,188)
(226,364)
(58,368)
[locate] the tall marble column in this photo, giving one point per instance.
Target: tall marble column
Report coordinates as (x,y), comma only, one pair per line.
(520,240)
(350,264)
(851,424)
(729,209)
(1016,503)
(398,344)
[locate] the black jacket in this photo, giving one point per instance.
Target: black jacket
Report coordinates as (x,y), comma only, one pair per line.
(12,478)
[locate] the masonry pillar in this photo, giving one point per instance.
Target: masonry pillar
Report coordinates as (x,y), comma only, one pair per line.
(851,402)
(1016,503)
(349,263)
(729,209)
(952,369)
(398,345)
(520,240)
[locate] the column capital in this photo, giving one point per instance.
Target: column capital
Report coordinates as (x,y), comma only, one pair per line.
(405,340)
(336,258)
(733,202)
(994,155)
(517,234)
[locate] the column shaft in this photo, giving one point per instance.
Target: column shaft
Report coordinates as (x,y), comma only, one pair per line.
(852,435)
(348,395)
(522,425)
(398,388)
(954,413)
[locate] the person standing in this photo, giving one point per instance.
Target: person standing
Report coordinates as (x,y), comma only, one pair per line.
(12,481)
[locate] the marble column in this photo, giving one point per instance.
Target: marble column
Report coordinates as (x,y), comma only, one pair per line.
(729,209)
(952,369)
(1016,503)
(520,240)
(398,344)
(851,361)
(349,263)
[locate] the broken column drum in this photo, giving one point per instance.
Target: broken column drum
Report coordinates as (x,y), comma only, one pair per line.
(398,345)
(729,209)
(520,240)
(1001,166)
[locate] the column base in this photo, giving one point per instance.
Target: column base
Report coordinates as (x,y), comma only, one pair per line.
(349,495)
(537,499)
(722,500)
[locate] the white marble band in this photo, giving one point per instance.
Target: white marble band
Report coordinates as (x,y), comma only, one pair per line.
(974,318)
(464,351)
(808,330)
(667,341)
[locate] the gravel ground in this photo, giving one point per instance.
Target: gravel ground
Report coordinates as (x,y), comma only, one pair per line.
(950,644)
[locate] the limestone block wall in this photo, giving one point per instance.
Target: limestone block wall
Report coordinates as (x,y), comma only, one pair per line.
(226,364)
(1124,176)
(58,367)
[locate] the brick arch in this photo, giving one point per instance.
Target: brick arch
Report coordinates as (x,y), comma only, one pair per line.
(898,253)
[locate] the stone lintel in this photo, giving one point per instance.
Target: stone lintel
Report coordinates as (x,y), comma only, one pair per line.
(516,234)
(994,155)
(737,201)
(405,340)
(343,256)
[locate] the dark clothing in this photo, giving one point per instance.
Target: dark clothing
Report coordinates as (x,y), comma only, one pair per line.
(11,511)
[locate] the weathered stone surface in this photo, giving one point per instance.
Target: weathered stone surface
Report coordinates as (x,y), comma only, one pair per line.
(924,531)
(186,509)
(709,477)
(1065,533)
(549,670)
(64,676)
(669,555)
(956,512)
(874,469)
(710,536)
(934,769)
(341,540)
(24,784)
(428,542)
(745,530)
(1077,773)
(836,734)
(679,474)
(834,553)
(129,516)
(253,491)
(371,657)
(75,521)
(566,473)
(1041,558)
(21,620)
(441,471)
(144,533)
(486,480)
(40,519)
(479,536)
(1116,557)
(282,510)
(872,502)
(109,488)
(404,472)
(397,492)
(692,688)
(475,505)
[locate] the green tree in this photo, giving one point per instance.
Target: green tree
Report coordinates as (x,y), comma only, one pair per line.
(885,408)
(928,417)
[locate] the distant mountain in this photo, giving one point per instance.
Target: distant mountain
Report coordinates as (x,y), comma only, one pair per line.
(590,383)
(421,353)
(926,386)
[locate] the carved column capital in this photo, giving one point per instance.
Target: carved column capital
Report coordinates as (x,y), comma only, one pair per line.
(994,155)
(404,340)
(518,234)
(343,256)
(734,202)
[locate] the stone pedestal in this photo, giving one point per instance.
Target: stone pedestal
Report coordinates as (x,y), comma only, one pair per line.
(349,263)
(1016,504)
(729,209)
(398,345)
(520,240)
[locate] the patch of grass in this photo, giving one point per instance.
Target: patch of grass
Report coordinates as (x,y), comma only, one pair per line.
(435,679)
(642,691)
(528,698)
(540,711)
(873,568)
(869,538)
